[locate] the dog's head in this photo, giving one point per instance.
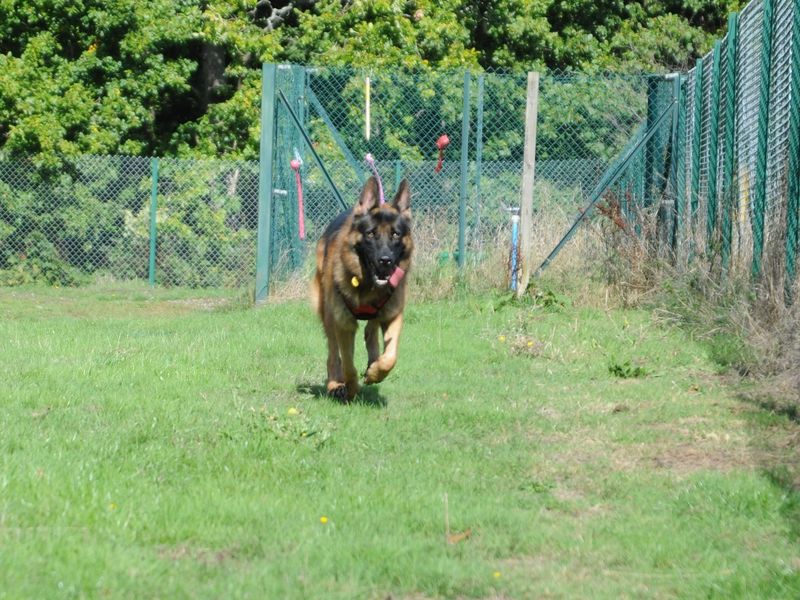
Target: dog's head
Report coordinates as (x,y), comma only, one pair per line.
(384,242)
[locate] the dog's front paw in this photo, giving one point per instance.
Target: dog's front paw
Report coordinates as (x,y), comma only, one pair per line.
(337,391)
(343,391)
(352,389)
(377,371)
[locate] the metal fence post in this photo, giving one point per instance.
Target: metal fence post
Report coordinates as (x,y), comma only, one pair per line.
(298,75)
(729,190)
(644,180)
(793,188)
(760,188)
(462,208)
(479,154)
(713,146)
(696,130)
(266,151)
(151,272)
(679,161)
(676,94)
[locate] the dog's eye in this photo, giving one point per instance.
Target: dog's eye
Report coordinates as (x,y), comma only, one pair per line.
(371,234)
(395,234)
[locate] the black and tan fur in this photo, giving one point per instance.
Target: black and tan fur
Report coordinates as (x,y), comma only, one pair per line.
(356,256)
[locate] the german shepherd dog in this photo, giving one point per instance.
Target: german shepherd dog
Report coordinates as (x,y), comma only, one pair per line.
(362,260)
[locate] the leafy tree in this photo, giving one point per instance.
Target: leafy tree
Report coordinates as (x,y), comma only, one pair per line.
(378,33)
(591,35)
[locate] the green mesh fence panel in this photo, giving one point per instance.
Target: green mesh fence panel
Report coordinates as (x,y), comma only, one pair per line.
(584,123)
(747,174)
(731,149)
(90,218)
(793,186)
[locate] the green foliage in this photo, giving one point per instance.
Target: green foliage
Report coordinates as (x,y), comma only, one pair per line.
(626,370)
(161,77)
(377,33)
(39,262)
(731,351)
(547,298)
(589,35)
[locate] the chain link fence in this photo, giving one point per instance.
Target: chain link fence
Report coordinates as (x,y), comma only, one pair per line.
(96,217)
(738,163)
(195,222)
(713,153)
(584,125)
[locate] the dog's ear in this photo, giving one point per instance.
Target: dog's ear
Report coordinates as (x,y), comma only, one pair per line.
(369,197)
(402,199)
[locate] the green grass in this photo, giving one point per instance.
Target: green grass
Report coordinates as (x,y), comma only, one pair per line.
(156,444)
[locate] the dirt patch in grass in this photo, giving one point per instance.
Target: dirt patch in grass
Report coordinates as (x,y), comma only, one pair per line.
(681,447)
(205,556)
(108,304)
(683,459)
(193,304)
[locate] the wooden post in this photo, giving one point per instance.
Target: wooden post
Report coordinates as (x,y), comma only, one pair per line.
(528,177)
(367,110)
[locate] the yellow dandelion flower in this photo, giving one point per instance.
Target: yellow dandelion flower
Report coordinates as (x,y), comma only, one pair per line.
(323,520)
(496,574)
(292,411)
(501,338)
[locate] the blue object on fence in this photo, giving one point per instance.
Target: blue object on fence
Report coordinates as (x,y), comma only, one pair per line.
(514,248)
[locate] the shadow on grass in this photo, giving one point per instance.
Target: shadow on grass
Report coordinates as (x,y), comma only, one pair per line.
(774,431)
(787,409)
(368,395)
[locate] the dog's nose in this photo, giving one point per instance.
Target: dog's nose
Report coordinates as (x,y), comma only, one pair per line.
(386,261)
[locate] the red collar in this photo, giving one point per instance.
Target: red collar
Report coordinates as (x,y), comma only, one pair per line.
(365,312)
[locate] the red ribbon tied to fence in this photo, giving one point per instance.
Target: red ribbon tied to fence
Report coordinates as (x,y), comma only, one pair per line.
(301,221)
(441,144)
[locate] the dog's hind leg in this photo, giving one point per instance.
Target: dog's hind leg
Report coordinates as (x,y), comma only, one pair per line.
(380,368)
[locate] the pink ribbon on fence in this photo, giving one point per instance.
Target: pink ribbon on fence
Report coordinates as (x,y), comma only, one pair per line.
(371,162)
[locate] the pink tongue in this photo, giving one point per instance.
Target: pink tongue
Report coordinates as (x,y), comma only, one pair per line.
(396,277)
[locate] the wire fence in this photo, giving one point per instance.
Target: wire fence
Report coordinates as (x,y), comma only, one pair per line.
(584,125)
(195,222)
(714,153)
(736,186)
(174,222)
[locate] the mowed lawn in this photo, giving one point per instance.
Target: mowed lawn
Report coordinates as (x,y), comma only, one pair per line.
(159,444)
